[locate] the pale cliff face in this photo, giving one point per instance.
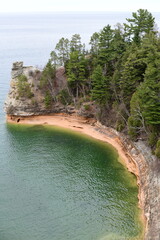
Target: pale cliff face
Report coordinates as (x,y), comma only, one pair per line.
(34,105)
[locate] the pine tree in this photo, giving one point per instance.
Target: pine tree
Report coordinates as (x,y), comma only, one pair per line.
(75,44)
(62,48)
(99,90)
(149,93)
(94,42)
(132,74)
(76,73)
(141,23)
(104,56)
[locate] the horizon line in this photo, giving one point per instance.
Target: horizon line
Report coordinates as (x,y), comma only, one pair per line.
(73,11)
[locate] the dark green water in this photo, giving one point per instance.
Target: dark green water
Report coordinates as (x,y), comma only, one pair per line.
(60,185)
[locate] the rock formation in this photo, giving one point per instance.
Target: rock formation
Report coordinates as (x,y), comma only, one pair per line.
(16,105)
(34,105)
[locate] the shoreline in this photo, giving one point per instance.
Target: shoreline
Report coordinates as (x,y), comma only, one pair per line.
(95,130)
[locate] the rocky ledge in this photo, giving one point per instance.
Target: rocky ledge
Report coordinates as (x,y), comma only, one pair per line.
(20,105)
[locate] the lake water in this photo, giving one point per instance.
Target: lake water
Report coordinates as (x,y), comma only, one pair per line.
(58,185)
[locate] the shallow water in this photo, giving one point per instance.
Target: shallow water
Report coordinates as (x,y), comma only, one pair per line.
(58,185)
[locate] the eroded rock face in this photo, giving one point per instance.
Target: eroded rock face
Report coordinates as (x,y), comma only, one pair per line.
(17,69)
(149,167)
(35,105)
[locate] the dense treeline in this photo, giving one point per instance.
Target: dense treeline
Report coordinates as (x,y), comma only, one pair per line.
(120,73)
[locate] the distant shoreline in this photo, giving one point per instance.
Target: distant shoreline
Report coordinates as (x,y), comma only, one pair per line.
(93,129)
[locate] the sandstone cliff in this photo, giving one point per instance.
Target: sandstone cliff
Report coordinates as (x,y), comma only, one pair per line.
(34,105)
(23,105)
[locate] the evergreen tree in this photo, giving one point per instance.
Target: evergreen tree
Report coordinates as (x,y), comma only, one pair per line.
(54,58)
(94,42)
(75,44)
(47,80)
(132,73)
(62,49)
(145,102)
(149,93)
(99,91)
(105,52)
(141,23)
(117,46)
(76,73)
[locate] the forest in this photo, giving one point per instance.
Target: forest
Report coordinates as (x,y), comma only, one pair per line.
(120,74)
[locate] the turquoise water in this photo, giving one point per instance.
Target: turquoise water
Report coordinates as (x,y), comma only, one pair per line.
(60,185)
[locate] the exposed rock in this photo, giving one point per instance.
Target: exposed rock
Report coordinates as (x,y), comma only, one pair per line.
(23,106)
(87,109)
(150,178)
(17,69)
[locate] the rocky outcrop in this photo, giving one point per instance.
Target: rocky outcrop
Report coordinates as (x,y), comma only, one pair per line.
(24,106)
(149,172)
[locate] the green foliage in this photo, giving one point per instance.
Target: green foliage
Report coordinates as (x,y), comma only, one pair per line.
(99,91)
(64,97)
(152,139)
(141,23)
(94,42)
(133,127)
(48,100)
(149,93)
(157,151)
(87,107)
(23,87)
(120,125)
(104,56)
(63,49)
(75,44)
(54,58)
(77,73)
(132,74)
(48,76)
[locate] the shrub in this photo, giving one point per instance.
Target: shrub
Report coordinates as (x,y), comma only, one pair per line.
(48,100)
(133,127)
(86,107)
(120,125)
(157,151)
(23,87)
(152,139)
(64,97)
(47,77)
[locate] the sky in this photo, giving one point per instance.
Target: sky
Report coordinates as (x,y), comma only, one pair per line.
(78,5)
